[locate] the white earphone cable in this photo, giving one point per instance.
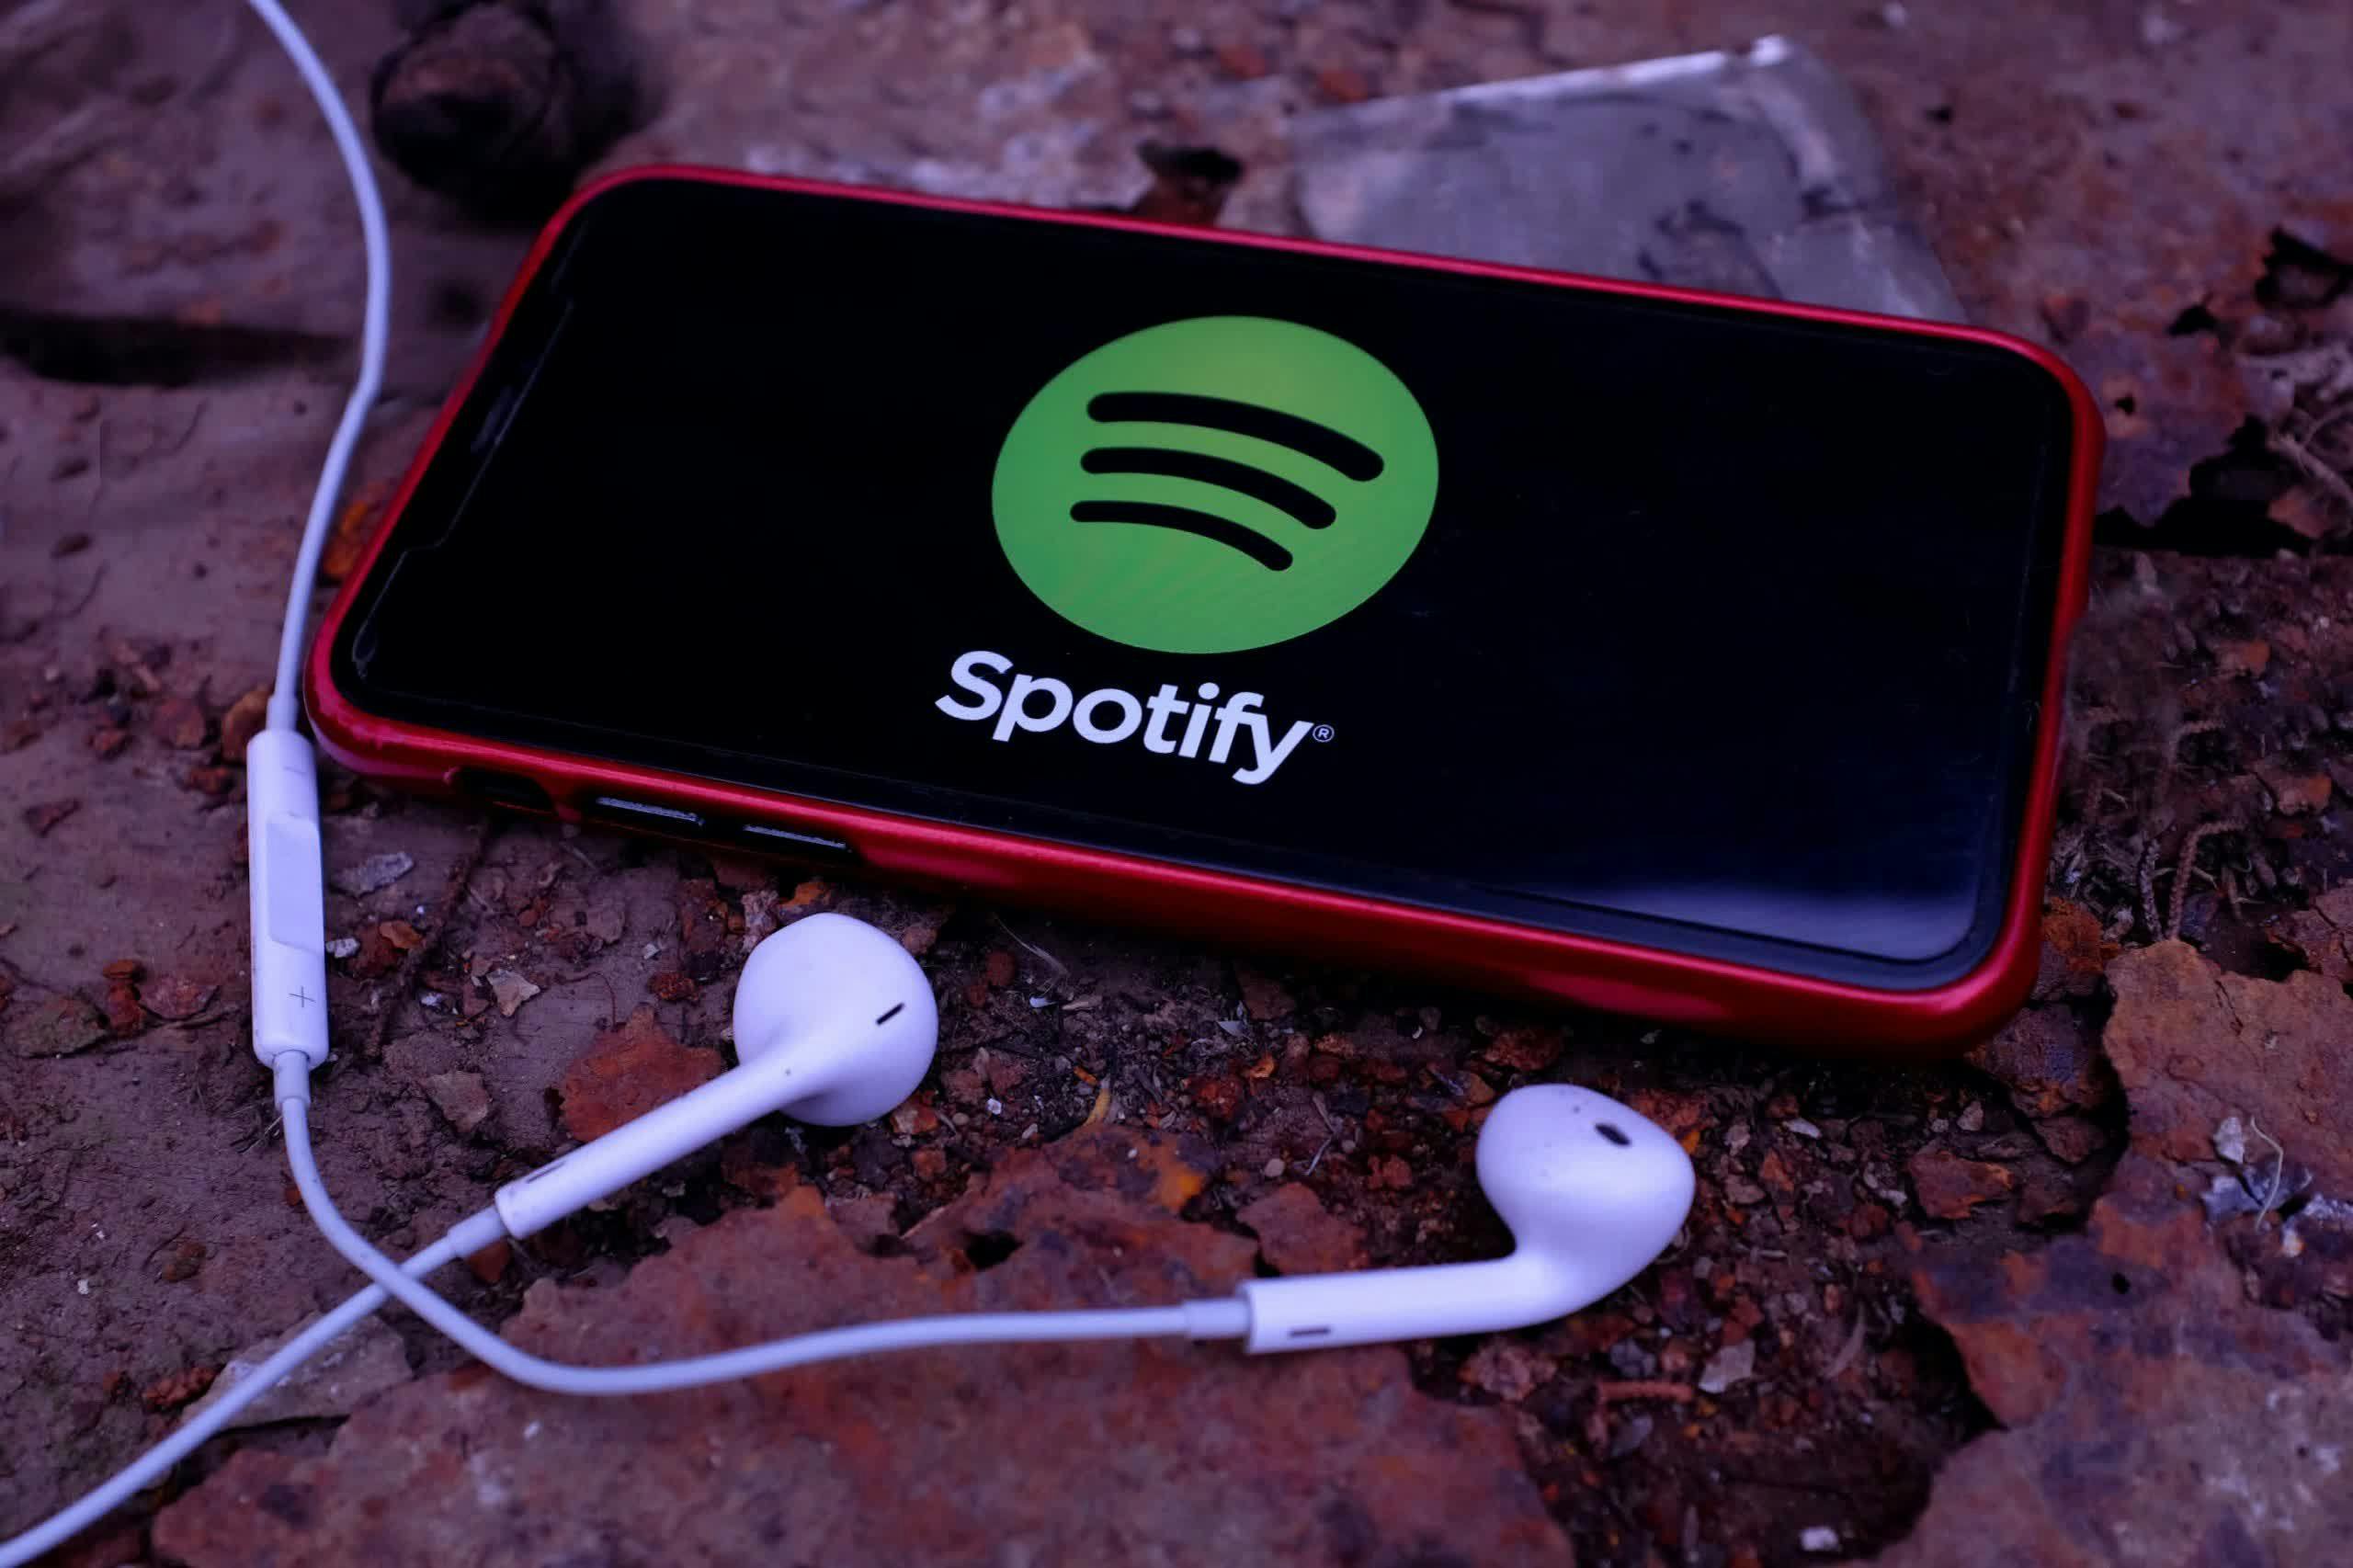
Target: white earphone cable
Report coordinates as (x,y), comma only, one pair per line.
(375,327)
(1226,1318)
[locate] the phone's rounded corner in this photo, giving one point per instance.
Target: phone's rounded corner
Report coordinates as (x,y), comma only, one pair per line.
(337,724)
(1950,1018)
(2086,426)
(2080,403)
(614,180)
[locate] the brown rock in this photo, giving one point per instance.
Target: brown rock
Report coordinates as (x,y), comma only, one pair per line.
(364,1359)
(2193,1045)
(60,1027)
(176,997)
(1241,61)
(2321,936)
(1263,995)
(702,926)
(1220,1095)
(213,781)
(2299,791)
(489,1265)
(1297,1236)
(918,933)
(1006,1073)
(2249,658)
(1949,1186)
(178,721)
(628,1072)
(815,1465)
(509,990)
(1506,1369)
(2071,1138)
(125,1016)
(171,1392)
(749,1163)
(378,954)
(2047,1196)
(1683,1115)
(915,1117)
(1000,967)
(870,1223)
(670,985)
(183,1261)
(1526,1049)
(1342,86)
(244,720)
(2075,951)
(462,1099)
(348,540)
(500,105)
(2048,1060)
(2131,1372)
(109,741)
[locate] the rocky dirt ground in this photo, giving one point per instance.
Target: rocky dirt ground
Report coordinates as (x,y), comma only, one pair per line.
(2081,1298)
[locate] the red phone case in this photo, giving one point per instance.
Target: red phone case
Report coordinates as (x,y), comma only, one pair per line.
(1256,912)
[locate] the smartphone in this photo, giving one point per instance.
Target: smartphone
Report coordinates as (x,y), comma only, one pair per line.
(1693,657)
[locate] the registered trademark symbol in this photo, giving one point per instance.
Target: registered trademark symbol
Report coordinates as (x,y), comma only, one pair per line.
(1323,732)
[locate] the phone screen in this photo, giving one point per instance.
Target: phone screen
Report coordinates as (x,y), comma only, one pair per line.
(1651,621)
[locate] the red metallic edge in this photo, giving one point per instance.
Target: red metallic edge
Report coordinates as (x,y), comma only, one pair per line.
(1248,911)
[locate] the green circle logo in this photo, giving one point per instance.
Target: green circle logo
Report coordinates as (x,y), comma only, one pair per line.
(1214,485)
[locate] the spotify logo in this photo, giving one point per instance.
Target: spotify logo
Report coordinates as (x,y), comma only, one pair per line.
(1214,485)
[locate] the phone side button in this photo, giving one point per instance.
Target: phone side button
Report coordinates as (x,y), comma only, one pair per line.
(666,819)
(796,842)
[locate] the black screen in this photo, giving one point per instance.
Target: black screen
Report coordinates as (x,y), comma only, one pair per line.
(1725,633)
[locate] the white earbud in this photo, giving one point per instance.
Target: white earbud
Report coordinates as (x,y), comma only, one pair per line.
(1591,1192)
(834,1023)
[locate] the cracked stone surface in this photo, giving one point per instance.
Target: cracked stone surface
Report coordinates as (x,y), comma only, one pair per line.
(1199,1455)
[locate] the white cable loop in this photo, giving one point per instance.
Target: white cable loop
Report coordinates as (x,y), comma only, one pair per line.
(1227,1319)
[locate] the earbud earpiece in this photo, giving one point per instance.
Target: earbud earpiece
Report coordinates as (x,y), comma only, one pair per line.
(834,1024)
(850,1009)
(1591,1192)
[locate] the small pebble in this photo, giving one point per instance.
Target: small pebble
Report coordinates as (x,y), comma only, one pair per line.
(1803,1128)
(1188,40)
(1818,1537)
(996,1106)
(1274,1169)
(1973,1117)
